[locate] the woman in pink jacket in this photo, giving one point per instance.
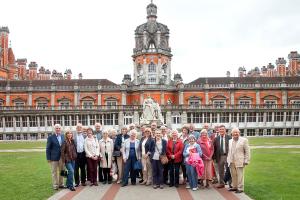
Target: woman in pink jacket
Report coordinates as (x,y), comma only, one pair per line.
(207,152)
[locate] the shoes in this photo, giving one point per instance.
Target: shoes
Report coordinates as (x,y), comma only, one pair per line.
(62,187)
(220,186)
(133,183)
(140,181)
(171,185)
(95,184)
(91,184)
(77,185)
(104,182)
(72,189)
(155,186)
(161,186)
(119,181)
(143,183)
(148,183)
(83,184)
(123,185)
(232,189)
(55,188)
(176,185)
(194,189)
(239,191)
(109,182)
(187,186)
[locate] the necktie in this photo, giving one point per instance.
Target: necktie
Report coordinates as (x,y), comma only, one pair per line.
(222,152)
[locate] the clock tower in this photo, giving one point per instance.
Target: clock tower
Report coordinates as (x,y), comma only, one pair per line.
(152,53)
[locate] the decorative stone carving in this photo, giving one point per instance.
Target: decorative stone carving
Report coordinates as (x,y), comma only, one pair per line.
(151,112)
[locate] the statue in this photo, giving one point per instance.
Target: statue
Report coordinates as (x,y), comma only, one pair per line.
(151,112)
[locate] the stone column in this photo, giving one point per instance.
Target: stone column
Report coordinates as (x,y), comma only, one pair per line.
(141,98)
(162,98)
(180,96)
(7,99)
(29,98)
(136,117)
(206,97)
(124,98)
(232,98)
(76,97)
(14,124)
(38,123)
(284,97)
(99,103)
(168,118)
(257,97)
(121,119)
(184,117)
(52,100)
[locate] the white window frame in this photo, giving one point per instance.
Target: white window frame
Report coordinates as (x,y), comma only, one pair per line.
(41,104)
(19,104)
(176,118)
(151,68)
(244,103)
(111,102)
(128,119)
(219,103)
(87,104)
(270,103)
(64,104)
(194,102)
(152,79)
(295,103)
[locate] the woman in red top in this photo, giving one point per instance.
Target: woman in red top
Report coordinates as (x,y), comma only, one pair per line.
(174,154)
(207,152)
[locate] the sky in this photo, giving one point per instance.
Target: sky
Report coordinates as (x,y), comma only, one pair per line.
(207,38)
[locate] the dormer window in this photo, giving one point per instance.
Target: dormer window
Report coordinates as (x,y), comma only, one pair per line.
(64,103)
(194,102)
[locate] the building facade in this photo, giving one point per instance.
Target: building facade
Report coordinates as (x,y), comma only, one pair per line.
(259,106)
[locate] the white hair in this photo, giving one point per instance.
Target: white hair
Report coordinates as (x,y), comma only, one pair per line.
(203,131)
(57,126)
(235,130)
(133,131)
(174,131)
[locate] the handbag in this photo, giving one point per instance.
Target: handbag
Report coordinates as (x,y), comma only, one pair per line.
(117,153)
(163,158)
(137,165)
(64,173)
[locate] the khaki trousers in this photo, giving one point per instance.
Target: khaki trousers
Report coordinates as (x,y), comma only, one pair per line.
(147,170)
(237,176)
(56,167)
(120,164)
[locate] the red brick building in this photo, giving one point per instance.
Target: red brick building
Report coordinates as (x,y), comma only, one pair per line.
(257,105)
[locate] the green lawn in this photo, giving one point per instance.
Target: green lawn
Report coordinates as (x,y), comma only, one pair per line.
(259,141)
(24,176)
(22,144)
(273,174)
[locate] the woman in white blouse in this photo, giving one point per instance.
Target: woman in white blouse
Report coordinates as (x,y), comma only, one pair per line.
(91,148)
(106,152)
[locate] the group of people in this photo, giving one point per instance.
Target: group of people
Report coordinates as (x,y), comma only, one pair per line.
(158,156)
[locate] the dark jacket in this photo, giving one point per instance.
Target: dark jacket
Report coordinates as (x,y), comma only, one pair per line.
(118,143)
(53,152)
(178,150)
(217,147)
(148,144)
(164,148)
(68,151)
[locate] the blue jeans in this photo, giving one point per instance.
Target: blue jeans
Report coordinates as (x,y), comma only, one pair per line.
(129,167)
(192,175)
(70,167)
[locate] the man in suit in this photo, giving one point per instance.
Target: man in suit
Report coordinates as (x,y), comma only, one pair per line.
(220,153)
(53,155)
(80,162)
(238,158)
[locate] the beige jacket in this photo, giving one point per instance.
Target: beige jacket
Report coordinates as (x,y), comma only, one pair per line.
(108,147)
(241,154)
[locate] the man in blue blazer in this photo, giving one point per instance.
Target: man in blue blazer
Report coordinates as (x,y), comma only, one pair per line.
(53,155)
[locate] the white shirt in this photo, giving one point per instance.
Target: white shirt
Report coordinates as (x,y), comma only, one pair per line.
(224,149)
(143,146)
(80,142)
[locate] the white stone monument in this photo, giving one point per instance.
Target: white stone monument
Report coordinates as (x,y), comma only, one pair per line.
(151,112)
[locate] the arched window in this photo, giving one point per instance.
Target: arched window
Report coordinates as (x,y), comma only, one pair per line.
(64,103)
(152,68)
(41,103)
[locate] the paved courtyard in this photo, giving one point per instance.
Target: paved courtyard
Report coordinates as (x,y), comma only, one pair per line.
(138,192)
